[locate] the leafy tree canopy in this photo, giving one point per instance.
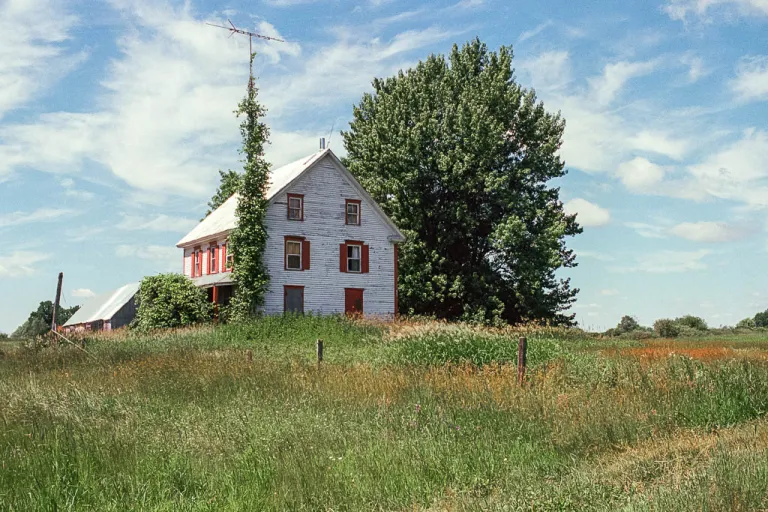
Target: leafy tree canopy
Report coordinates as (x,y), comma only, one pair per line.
(459,156)
(170,300)
(761,319)
(39,321)
(229,183)
(627,324)
(3,336)
(249,238)
(694,322)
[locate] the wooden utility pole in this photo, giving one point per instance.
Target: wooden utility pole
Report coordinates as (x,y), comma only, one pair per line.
(56,302)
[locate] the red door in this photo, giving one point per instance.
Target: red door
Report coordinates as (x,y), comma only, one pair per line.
(353,301)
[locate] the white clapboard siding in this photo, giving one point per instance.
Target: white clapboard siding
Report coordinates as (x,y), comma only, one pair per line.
(325,189)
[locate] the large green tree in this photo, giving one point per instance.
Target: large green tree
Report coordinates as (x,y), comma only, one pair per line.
(459,155)
(249,238)
(229,183)
(39,321)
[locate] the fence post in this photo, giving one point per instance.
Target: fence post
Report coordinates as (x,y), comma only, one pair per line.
(522,349)
(249,355)
(319,352)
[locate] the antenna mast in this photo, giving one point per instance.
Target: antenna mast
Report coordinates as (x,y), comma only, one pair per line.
(234,30)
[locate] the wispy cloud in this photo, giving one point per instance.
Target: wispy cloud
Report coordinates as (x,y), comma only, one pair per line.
(83,293)
(21,263)
(39,215)
(666,262)
(707,231)
(684,9)
(167,257)
(159,222)
(538,29)
(751,82)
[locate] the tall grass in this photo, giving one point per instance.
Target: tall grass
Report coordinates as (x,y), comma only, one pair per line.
(184,421)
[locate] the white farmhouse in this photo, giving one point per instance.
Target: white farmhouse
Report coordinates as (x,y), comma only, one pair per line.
(330,247)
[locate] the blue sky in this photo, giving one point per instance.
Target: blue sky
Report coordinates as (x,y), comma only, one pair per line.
(116,115)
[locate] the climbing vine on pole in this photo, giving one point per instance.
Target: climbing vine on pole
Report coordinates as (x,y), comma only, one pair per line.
(249,238)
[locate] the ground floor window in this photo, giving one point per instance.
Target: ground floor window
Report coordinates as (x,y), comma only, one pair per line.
(293,300)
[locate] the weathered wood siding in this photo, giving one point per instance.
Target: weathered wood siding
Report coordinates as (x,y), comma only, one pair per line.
(325,190)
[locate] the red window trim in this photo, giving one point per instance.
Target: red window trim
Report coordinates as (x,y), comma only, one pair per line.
(288,206)
(285,295)
(359,204)
(300,240)
(213,267)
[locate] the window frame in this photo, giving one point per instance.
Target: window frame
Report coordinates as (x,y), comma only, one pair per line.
(300,197)
(198,263)
(213,259)
(299,242)
(357,202)
(359,258)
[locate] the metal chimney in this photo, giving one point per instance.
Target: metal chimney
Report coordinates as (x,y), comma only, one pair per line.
(322,143)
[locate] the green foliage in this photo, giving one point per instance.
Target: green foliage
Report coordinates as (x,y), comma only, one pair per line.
(170,300)
(3,336)
(249,238)
(39,321)
(465,345)
(666,328)
(230,182)
(747,323)
(459,155)
(693,322)
(627,324)
(761,319)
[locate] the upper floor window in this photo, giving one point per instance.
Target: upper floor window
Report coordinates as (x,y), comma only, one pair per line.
(213,259)
(295,207)
(228,258)
(354,258)
(198,263)
(292,255)
(353,212)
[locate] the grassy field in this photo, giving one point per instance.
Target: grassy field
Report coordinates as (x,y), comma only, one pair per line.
(400,417)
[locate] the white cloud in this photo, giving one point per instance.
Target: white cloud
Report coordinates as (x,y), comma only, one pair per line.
(751,82)
(33,54)
(83,293)
(696,67)
(39,215)
(660,143)
(548,71)
(20,263)
(606,87)
(647,230)
(165,123)
(70,190)
(707,231)
(587,214)
(738,171)
(640,175)
(665,262)
(611,292)
(682,9)
(159,222)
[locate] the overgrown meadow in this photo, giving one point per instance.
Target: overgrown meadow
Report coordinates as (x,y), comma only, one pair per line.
(407,416)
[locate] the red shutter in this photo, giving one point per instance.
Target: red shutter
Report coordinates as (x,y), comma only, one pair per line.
(364,263)
(200,261)
(305,254)
(343,258)
(192,264)
(223,254)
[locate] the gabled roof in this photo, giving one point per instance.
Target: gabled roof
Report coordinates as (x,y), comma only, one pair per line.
(222,219)
(104,306)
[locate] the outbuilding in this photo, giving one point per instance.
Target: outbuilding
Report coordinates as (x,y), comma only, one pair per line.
(105,312)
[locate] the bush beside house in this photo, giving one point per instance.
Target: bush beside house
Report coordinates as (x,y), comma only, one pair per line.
(171,300)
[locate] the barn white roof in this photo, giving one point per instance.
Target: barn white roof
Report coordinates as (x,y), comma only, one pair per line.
(223,218)
(104,306)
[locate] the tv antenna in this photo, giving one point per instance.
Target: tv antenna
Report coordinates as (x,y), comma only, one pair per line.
(234,30)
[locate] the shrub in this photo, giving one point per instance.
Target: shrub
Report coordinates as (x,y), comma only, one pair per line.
(640,334)
(694,322)
(747,323)
(666,328)
(170,300)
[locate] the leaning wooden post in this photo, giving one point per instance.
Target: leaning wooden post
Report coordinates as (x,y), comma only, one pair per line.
(522,349)
(319,352)
(249,355)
